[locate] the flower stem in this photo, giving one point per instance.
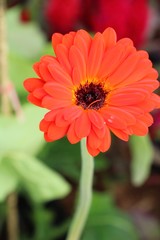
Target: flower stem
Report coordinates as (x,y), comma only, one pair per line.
(85,194)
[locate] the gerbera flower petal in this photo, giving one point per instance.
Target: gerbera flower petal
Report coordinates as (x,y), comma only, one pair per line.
(93,141)
(55,132)
(59,120)
(93,151)
(106,141)
(110,37)
(147,118)
(48,59)
(47,138)
(72,112)
(114,120)
(50,116)
(71,134)
(125,42)
(58,91)
(59,74)
(100,132)
(68,39)
(126,98)
(120,134)
(77,60)
(147,105)
(124,70)
(95,55)
(136,75)
(44,72)
(36,68)
(143,54)
(118,118)
(148,85)
(82,125)
(111,61)
(56,39)
(31,98)
(44,125)
(76,76)
(134,111)
(132,95)
(152,74)
(39,93)
(140,129)
(33,83)
(61,52)
(52,103)
(83,41)
(96,118)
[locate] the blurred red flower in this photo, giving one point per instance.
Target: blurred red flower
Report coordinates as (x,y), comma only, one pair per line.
(25,15)
(129,18)
(62,15)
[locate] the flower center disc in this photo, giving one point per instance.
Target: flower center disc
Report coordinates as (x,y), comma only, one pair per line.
(90,96)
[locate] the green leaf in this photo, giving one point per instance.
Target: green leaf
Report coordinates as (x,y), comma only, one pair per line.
(108,222)
(142,157)
(21,135)
(8,181)
(42,183)
(69,155)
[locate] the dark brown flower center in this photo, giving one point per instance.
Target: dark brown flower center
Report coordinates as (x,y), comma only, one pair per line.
(90,96)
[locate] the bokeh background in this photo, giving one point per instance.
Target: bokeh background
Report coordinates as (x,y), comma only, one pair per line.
(38,180)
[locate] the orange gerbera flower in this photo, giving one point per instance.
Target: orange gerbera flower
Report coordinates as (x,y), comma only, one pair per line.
(92,87)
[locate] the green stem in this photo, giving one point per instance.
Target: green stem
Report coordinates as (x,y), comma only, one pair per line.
(85,194)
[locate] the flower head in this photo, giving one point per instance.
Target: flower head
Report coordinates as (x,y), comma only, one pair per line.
(92,87)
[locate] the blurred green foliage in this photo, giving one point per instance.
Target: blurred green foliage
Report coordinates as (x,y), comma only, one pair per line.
(22,170)
(142,157)
(21,134)
(18,166)
(106,221)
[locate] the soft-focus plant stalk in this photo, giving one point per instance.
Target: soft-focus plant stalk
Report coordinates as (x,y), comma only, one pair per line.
(12,217)
(85,194)
(5,106)
(12,213)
